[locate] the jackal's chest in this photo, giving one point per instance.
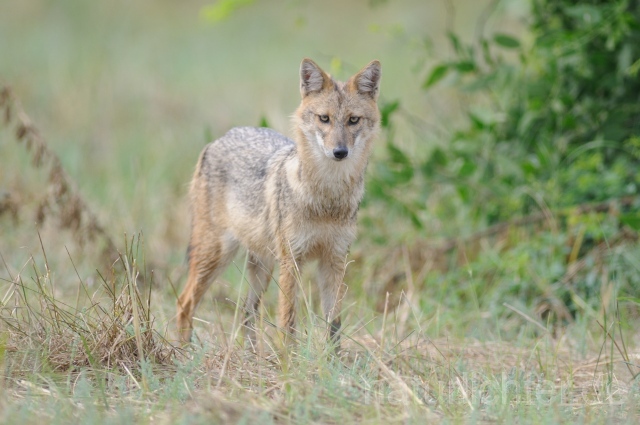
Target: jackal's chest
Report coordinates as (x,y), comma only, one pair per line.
(339,211)
(307,237)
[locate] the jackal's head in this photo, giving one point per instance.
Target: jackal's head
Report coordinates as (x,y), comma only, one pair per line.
(338,121)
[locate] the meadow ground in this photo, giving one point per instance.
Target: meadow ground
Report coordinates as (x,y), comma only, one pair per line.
(108,108)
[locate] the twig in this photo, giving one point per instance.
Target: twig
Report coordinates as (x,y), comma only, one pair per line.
(622,353)
(402,386)
(526,317)
(384,324)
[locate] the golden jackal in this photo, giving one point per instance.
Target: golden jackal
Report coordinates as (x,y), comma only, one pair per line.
(285,200)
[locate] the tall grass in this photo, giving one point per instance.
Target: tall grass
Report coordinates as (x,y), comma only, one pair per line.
(105,359)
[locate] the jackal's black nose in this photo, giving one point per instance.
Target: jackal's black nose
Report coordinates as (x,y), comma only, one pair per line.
(340,152)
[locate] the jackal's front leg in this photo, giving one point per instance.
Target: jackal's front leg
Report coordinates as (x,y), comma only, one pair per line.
(287,302)
(332,290)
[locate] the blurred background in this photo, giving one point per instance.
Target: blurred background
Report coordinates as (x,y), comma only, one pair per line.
(506,171)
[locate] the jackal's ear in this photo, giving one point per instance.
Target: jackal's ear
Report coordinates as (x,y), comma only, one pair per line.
(367,80)
(312,78)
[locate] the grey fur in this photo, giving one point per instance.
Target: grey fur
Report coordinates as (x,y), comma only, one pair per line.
(240,160)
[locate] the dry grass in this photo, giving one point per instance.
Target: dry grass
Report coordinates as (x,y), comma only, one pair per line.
(60,200)
(110,329)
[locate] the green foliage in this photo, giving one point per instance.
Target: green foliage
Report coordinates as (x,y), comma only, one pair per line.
(395,171)
(553,125)
(555,121)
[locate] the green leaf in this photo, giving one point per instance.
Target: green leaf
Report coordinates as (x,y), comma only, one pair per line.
(483,117)
(386,110)
(465,66)
(632,71)
(530,166)
(263,122)
(438,157)
(629,299)
(486,52)
(455,42)
(375,189)
(410,212)
(632,220)
(463,192)
(468,167)
(222,9)
(506,41)
(436,162)
(415,220)
(438,73)
(397,156)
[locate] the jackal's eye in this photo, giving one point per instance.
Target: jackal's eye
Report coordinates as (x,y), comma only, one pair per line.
(324,118)
(354,120)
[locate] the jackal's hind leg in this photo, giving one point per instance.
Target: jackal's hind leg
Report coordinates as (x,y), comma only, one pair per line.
(259,273)
(207,260)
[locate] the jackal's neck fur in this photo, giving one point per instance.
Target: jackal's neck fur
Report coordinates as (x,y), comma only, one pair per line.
(334,128)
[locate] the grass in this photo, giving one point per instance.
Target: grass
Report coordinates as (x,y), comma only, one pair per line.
(106,359)
(122,98)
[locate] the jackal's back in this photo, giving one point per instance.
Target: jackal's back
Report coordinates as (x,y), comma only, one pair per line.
(237,165)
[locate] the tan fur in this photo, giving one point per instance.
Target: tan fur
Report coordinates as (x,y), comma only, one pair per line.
(284,200)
